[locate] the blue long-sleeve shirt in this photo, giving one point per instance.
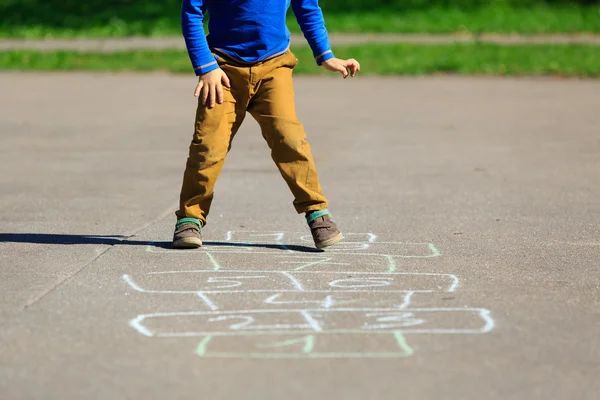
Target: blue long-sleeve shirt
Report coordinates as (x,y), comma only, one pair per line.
(249,30)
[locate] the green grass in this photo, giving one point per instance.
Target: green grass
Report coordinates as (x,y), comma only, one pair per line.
(165,21)
(392,59)
(535,20)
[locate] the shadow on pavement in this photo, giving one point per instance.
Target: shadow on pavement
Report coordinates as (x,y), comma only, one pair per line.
(292,247)
(51,238)
(112,240)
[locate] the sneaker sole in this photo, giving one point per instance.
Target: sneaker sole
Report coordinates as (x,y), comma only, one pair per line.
(187,243)
(329,242)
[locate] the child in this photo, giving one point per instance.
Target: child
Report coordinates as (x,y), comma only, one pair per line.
(245,65)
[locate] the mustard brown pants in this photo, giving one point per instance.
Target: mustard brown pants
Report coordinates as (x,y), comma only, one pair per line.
(266,91)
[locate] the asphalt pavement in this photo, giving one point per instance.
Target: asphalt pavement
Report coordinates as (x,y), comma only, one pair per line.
(469,267)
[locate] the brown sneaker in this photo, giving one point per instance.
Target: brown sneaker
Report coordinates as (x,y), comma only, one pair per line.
(324,230)
(187,234)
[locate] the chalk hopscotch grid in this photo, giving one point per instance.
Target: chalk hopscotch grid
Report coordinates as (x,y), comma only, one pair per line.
(312,326)
(344,247)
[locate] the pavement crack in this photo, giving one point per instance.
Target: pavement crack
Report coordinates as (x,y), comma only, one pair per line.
(127,236)
(58,284)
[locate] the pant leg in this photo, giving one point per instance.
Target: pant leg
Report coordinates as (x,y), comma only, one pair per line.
(214,130)
(272,105)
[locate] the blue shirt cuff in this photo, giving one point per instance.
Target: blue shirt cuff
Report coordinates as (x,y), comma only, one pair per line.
(324,57)
(203,69)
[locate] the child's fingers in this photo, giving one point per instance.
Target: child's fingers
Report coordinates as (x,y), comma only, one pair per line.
(205,92)
(342,69)
(336,65)
(225,80)
(219,90)
(353,66)
(198,88)
(213,95)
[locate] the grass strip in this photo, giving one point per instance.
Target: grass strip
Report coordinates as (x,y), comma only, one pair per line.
(494,19)
(384,59)
(491,19)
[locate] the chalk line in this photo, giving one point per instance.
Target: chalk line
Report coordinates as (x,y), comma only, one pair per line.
(251,251)
(234,248)
(208,302)
(266,271)
(391,263)
(314,324)
(279,291)
(401,340)
(316,260)
(391,320)
(455,283)
(134,285)
(214,262)
(295,282)
(304,356)
(136,324)
(307,340)
(307,331)
(328,302)
(408,331)
(435,252)
(406,300)
(481,311)
(487,317)
(201,349)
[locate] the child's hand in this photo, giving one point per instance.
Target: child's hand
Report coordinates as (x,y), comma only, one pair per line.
(210,86)
(342,66)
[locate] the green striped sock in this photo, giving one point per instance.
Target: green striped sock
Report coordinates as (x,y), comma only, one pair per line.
(316,214)
(188,220)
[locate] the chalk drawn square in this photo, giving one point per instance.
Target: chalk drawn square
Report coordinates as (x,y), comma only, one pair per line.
(372,282)
(375,321)
(278,346)
(193,282)
(407,320)
(184,324)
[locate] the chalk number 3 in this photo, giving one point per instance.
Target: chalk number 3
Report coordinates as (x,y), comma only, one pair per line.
(390,320)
